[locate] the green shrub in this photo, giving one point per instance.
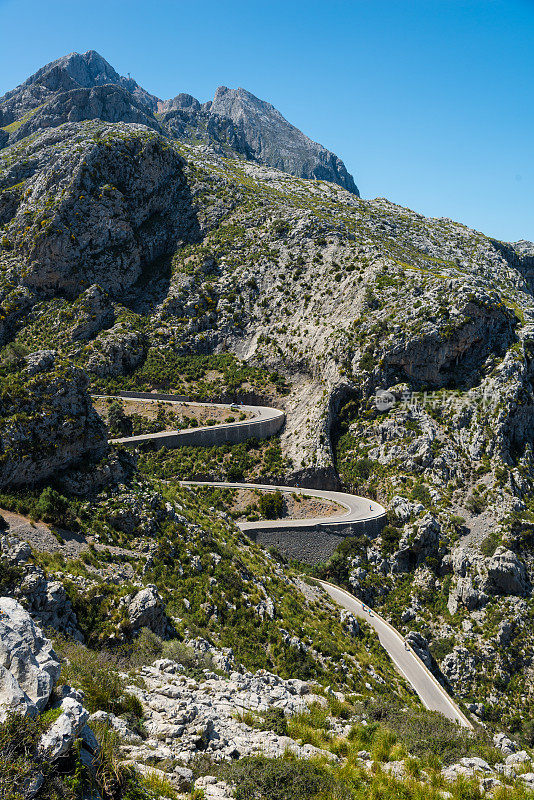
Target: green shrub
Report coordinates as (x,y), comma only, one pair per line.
(475,504)
(425,732)
(271,505)
(10,575)
(275,720)
(260,778)
(53,507)
(442,647)
(114,778)
(421,494)
(97,675)
(391,537)
(18,738)
(490,543)
(119,424)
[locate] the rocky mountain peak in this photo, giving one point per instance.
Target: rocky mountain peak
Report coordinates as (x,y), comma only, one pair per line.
(181,101)
(87,69)
(235,103)
(76,87)
(73,71)
(275,141)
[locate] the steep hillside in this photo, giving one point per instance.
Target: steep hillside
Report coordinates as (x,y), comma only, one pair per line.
(327,297)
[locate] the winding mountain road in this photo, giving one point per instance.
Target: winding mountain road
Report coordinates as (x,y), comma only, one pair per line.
(431,692)
(356,508)
(261,422)
(265,421)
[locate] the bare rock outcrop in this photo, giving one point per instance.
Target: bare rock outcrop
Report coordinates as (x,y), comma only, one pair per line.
(47,422)
(506,573)
(108,103)
(146,610)
(29,667)
(125,202)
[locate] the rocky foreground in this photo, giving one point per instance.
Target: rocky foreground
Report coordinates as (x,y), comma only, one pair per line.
(214,715)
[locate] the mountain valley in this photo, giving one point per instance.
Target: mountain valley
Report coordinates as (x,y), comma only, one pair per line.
(213,253)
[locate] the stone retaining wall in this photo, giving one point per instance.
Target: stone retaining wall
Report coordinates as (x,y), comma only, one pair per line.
(207,437)
(247,398)
(314,544)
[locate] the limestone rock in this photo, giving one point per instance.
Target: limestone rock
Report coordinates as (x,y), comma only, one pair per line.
(50,424)
(502,742)
(214,789)
(506,573)
(61,735)
(146,610)
(465,593)
(29,666)
(275,141)
(99,233)
(350,622)
(94,312)
(459,665)
(405,509)
(419,645)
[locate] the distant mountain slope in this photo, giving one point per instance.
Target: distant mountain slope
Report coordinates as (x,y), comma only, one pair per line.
(77,87)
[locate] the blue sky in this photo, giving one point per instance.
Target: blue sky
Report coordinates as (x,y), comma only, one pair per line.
(430,103)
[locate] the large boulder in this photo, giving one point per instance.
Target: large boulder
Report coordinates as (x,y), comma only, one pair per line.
(61,735)
(418,543)
(29,667)
(464,593)
(146,610)
(506,573)
(419,645)
(459,665)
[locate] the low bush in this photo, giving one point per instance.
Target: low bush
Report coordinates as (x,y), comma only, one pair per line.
(119,424)
(257,777)
(275,720)
(96,673)
(390,537)
(115,779)
(18,737)
(271,505)
(54,507)
(10,575)
(422,733)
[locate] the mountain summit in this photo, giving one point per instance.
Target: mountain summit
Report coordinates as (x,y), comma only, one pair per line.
(275,141)
(73,71)
(85,86)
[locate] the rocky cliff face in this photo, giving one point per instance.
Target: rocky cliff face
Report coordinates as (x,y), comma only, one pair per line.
(94,204)
(109,103)
(47,422)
